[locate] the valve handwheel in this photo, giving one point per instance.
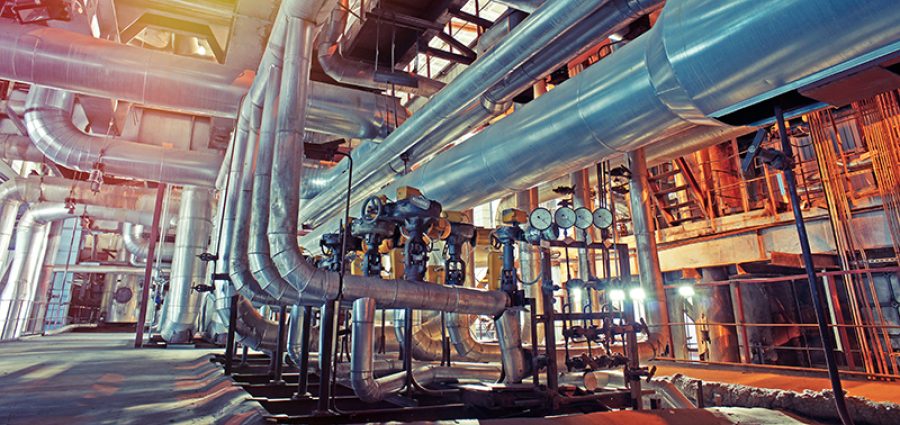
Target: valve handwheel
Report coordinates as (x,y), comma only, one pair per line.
(372,208)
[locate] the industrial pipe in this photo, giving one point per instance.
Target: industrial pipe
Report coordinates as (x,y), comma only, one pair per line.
(76,62)
(362,371)
(632,98)
(361,74)
(134,242)
(476,105)
(48,119)
(183,301)
(19,285)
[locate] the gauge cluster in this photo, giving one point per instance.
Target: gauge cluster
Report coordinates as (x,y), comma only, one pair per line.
(567,218)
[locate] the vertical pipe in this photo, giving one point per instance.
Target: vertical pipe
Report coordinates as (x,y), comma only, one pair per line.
(230,340)
(549,324)
(303,378)
(148,269)
(821,318)
(647,254)
(527,200)
(278,355)
(182,302)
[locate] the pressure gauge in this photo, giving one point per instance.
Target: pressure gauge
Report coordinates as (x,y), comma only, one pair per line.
(603,218)
(541,219)
(583,218)
(565,217)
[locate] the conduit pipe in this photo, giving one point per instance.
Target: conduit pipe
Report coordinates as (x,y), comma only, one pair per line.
(478,102)
(19,286)
(134,242)
(241,273)
(633,98)
(282,233)
(182,301)
(362,355)
(357,73)
(76,62)
(49,123)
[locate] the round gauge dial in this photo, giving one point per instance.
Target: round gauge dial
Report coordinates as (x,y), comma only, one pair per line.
(540,219)
(583,218)
(565,217)
(603,218)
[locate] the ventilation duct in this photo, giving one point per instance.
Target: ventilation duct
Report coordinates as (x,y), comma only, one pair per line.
(134,242)
(633,98)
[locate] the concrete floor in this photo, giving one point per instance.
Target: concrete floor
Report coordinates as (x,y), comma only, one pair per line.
(95,378)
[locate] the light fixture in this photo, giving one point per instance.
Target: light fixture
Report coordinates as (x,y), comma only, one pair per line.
(686,291)
(616,295)
(637,294)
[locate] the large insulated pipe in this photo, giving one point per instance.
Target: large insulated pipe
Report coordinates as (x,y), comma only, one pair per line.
(362,74)
(479,107)
(48,118)
(182,300)
(651,278)
(282,233)
(75,62)
(547,24)
(19,286)
(241,272)
(362,356)
(134,242)
(633,98)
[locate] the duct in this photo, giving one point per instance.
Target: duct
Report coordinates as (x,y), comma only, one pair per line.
(49,123)
(18,285)
(75,62)
(134,242)
(603,19)
(23,289)
(426,337)
(651,279)
(459,328)
(182,301)
(356,73)
(615,106)
(362,370)
(716,306)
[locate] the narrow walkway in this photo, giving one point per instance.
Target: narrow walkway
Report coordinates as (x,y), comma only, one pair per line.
(96,378)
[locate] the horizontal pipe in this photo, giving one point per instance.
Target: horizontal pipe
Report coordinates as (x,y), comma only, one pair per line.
(632,98)
(79,63)
(134,242)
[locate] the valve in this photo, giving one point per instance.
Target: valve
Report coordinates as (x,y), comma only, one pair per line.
(202,287)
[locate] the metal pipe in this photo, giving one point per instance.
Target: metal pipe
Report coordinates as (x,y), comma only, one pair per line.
(509,336)
(133,241)
(19,285)
(665,389)
(48,119)
(182,301)
(357,73)
(453,102)
(609,17)
(651,279)
(362,369)
(528,6)
(643,103)
(242,271)
(282,232)
(67,60)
